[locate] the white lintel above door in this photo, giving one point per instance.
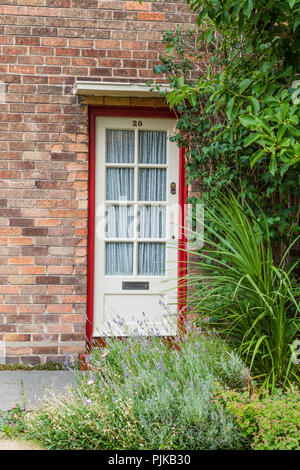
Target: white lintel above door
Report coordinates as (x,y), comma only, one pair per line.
(94,88)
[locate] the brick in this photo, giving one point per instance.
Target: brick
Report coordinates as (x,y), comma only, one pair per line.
(21,280)
(21,222)
(47,222)
(45,299)
(34,232)
(60,270)
(28,40)
(21,241)
(73,299)
(17,350)
(73,318)
(7,328)
(32,308)
(107,44)
(36,156)
(33,270)
(132,45)
(67,51)
(45,350)
(145,6)
(143,16)
(13,337)
(54,42)
(48,280)
(30,360)
(9,289)
(59,328)
(10,231)
(31,11)
(22,69)
(8,309)
(21,260)
(75,349)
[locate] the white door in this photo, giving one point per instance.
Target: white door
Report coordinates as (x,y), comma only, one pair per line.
(136,227)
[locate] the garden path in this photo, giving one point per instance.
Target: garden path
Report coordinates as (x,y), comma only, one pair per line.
(31,388)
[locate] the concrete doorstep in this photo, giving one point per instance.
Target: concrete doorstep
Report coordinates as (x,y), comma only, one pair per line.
(30,389)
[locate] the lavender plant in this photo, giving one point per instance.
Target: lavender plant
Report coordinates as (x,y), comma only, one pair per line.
(141,393)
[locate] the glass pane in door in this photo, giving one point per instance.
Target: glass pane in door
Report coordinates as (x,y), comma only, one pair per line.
(120,184)
(119,146)
(119,221)
(151,259)
(152,222)
(153,147)
(118,258)
(152,184)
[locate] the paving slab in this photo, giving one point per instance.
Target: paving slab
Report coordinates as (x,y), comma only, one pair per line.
(10,389)
(6,444)
(40,385)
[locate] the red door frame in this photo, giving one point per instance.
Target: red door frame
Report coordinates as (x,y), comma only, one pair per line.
(131,111)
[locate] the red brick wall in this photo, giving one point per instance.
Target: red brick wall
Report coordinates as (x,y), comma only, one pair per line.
(45,46)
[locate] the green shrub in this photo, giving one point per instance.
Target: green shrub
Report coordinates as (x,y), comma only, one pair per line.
(249,298)
(44,366)
(143,394)
(270,422)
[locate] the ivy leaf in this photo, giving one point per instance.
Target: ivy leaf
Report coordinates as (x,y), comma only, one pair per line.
(192,99)
(180,81)
(293,130)
(244,84)
(247,120)
(250,139)
(284,168)
(264,125)
(208,34)
(294,119)
(283,110)
(174,98)
(256,156)
(281,130)
(157,69)
(236,9)
(216,127)
(255,105)
(248,8)
(297,23)
(169,48)
(273,164)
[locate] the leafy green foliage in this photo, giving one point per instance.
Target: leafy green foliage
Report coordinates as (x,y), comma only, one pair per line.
(47,366)
(255,82)
(12,421)
(268,422)
(141,394)
(246,296)
(234,86)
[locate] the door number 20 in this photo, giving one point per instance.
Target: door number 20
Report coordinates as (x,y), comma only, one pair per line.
(137,123)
